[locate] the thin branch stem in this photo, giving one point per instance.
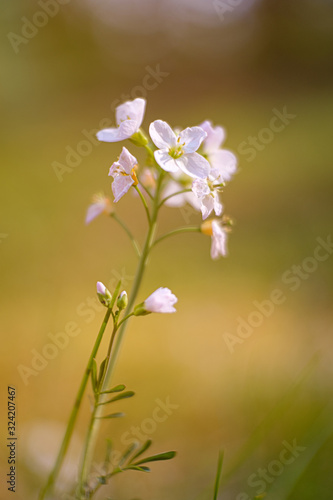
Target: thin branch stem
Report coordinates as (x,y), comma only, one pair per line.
(144,203)
(191,229)
(128,232)
(174,194)
(125,319)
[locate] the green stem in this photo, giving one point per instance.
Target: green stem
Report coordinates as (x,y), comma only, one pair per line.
(174,194)
(144,202)
(70,426)
(128,232)
(83,472)
(93,431)
(125,319)
(192,229)
(147,191)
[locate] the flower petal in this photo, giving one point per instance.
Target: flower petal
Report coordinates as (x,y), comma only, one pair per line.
(219,241)
(194,165)
(124,131)
(191,137)
(101,288)
(215,137)
(161,301)
(94,211)
(218,207)
(162,134)
(165,161)
(121,185)
(200,188)
(225,162)
(131,110)
(207,205)
(127,160)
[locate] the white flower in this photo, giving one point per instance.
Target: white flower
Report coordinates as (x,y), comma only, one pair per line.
(129,117)
(179,152)
(221,160)
(123,173)
(100,204)
(161,301)
(207,193)
(214,229)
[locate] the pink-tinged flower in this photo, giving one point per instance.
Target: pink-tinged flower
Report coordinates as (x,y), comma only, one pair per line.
(179,151)
(160,301)
(101,289)
(214,229)
(208,194)
(123,173)
(129,117)
(100,205)
(221,160)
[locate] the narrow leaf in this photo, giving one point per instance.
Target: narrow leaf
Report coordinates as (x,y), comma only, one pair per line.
(101,372)
(107,454)
(124,395)
(156,458)
(218,475)
(118,388)
(140,469)
(143,448)
(113,415)
(127,453)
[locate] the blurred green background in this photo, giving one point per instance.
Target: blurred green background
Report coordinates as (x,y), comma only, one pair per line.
(233,63)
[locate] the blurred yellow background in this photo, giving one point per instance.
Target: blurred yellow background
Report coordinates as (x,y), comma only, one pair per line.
(237,64)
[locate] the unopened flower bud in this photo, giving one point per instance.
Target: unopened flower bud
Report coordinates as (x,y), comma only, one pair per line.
(207,227)
(122,300)
(103,294)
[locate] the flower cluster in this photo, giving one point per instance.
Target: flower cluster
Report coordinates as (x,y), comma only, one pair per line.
(186,166)
(197,167)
